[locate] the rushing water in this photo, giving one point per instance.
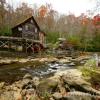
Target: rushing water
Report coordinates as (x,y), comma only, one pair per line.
(16,71)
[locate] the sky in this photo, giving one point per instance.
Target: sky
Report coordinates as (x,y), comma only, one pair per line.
(62,6)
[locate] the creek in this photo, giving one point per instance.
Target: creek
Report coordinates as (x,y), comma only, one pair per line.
(15,71)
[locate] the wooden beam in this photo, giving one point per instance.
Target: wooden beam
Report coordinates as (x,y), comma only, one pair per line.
(14,41)
(4,43)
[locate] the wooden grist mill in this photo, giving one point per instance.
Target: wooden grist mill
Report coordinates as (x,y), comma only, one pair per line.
(26,37)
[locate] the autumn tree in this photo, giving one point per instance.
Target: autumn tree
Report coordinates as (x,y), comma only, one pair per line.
(2,11)
(21,13)
(4,17)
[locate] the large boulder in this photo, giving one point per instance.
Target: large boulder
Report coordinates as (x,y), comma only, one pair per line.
(47,87)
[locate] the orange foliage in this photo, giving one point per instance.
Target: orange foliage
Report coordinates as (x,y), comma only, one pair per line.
(96,20)
(85,20)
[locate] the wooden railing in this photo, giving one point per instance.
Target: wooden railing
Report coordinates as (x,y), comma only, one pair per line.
(17,41)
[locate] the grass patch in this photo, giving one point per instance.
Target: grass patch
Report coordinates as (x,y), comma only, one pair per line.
(91,72)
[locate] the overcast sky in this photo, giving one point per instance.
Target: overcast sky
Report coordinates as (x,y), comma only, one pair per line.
(62,6)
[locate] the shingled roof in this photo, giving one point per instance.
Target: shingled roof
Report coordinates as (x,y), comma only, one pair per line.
(25,21)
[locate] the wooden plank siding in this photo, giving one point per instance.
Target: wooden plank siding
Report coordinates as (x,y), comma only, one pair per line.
(27,29)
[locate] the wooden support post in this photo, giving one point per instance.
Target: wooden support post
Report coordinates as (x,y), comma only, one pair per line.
(30,45)
(16,47)
(9,45)
(24,46)
(33,51)
(39,51)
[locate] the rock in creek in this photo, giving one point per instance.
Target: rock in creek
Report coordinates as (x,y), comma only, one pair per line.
(64,85)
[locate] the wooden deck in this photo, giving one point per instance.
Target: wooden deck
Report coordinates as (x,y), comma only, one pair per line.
(26,44)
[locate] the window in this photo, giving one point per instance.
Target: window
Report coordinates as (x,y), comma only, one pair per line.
(35,30)
(19,28)
(31,21)
(26,27)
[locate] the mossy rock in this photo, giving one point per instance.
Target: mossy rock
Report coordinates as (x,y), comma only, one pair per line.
(47,87)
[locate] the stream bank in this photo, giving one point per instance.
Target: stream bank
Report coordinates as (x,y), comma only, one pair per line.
(13,69)
(63,85)
(45,78)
